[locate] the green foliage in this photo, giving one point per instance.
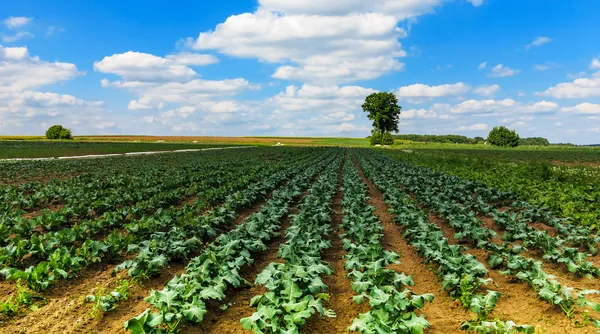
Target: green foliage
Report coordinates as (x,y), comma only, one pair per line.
(378,138)
(446,139)
(501,136)
(106,301)
(534,141)
(58,132)
(383,109)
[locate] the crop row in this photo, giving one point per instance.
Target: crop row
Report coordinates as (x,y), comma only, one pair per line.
(436,191)
(170,231)
(462,276)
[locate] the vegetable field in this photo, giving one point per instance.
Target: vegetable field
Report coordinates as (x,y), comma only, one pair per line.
(286,240)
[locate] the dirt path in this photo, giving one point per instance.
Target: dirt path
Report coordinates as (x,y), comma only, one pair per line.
(444,314)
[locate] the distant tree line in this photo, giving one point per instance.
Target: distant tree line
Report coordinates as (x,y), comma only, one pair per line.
(446,139)
(538,141)
(458,139)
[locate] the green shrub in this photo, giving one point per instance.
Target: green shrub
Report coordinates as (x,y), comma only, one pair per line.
(501,136)
(376,138)
(58,132)
(387,139)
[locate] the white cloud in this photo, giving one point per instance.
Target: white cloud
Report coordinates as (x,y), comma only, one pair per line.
(482,106)
(577,89)
(421,91)
(482,65)
(503,71)
(474,127)
(539,107)
(193,59)
(14,22)
(502,107)
(20,71)
(104,125)
(347,127)
(16,37)
(400,9)
(538,41)
(137,66)
(487,91)
(319,42)
(595,64)
(418,113)
(156,80)
(558,124)
(583,109)
(328,99)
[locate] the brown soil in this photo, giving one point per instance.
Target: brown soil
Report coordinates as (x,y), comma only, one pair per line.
(519,302)
(67,313)
(543,227)
(444,314)
(489,223)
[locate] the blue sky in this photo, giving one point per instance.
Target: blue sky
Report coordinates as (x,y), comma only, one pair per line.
(300,67)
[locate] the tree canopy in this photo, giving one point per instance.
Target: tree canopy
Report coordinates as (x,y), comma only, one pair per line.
(383,109)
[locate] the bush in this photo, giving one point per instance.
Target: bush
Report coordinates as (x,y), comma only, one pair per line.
(501,136)
(58,132)
(376,138)
(387,139)
(65,134)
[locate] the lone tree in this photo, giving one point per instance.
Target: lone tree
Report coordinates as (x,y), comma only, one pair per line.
(384,111)
(58,132)
(501,136)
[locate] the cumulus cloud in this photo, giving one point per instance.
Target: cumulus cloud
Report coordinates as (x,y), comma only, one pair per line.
(400,9)
(347,127)
(474,127)
(15,22)
(502,107)
(20,71)
(503,71)
(577,89)
(324,42)
(595,64)
(418,113)
(158,80)
(482,106)
(537,42)
(482,65)
(583,109)
(418,92)
(193,59)
(486,91)
(137,66)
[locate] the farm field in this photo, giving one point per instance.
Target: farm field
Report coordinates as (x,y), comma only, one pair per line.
(297,239)
(48,149)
